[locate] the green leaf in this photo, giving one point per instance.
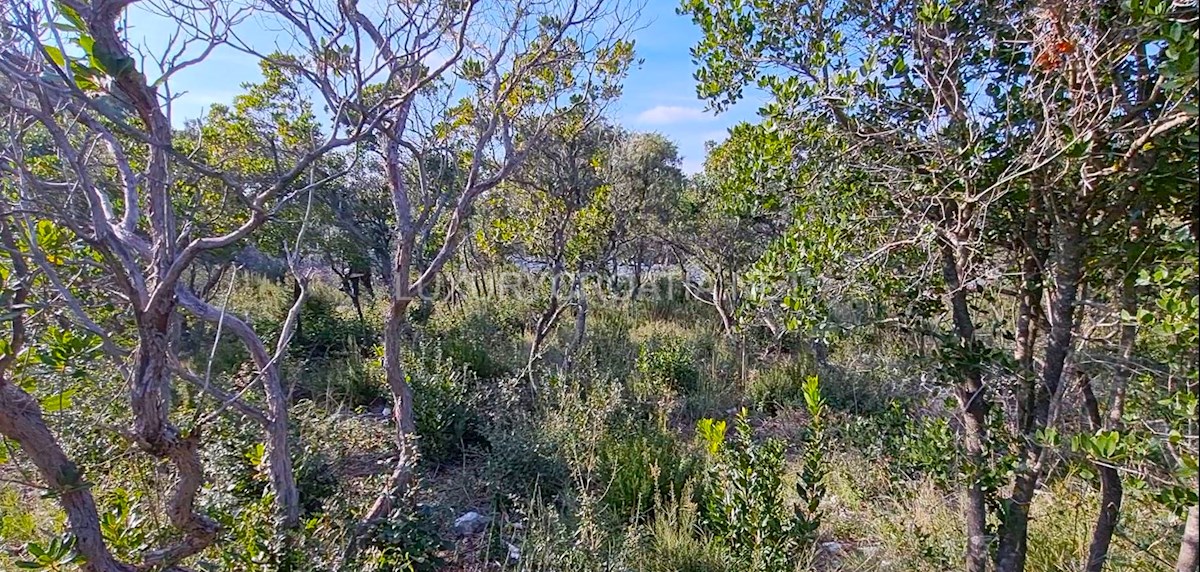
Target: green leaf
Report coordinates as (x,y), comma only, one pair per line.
(71,15)
(58,402)
(87,43)
(56,56)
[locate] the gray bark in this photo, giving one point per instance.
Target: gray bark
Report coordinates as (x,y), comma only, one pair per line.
(276,423)
(21,420)
(1014,532)
(1189,547)
(973,403)
(149,400)
(1111,491)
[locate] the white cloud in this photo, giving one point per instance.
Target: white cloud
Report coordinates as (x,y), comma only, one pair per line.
(664,114)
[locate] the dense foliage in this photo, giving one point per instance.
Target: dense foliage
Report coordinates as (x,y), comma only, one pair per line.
(416,302)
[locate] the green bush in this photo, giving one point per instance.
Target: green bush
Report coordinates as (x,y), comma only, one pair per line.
(667,363)
(676,541)
(16,523)
(639,466)
(744,503)
(323,332)
(315,479)
(521,465)
(353,381)
(250,542)
(406,541)
(913,445)
(482,335)
(445,409)
(607,346)
(779,384)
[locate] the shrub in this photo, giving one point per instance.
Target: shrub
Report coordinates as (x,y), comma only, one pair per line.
(743,494)
(444,408)
(323,332)
(607,346)
(251,543)
(521,465)
(913,445)
(666,363)
(315,479)
(16,523)
(811,482)
(353,381)
(638,466)
(744,505)
(406,541)
(676,542)
(780,384)
(481,335)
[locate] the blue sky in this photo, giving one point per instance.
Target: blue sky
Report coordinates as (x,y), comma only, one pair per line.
(659,95)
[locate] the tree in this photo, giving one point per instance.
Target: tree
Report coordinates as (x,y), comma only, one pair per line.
(21,413)
(517,69)
(93,150)
(976,140)
(554,211)
(646,181)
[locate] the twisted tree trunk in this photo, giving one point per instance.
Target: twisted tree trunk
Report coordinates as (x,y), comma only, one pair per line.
(276,423)
(1110,488)
(150,402)
(394,336)
(21,420)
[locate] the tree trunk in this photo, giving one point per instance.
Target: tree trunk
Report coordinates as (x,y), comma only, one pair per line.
(973,404)
(276,427)
(1189,547)
(1111,491)
(636,285)
(21,420)
(549,317)
(581,310)
(1028,307)
(149,400)
(725,307)
(395,334)
(1014,532)
(394,337)
(1110,488)
(614,275)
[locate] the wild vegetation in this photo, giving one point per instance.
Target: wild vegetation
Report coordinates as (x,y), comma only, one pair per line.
(415,301)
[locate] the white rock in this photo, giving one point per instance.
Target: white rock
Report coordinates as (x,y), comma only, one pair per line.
(470,523)
(831,547)
(514,553)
